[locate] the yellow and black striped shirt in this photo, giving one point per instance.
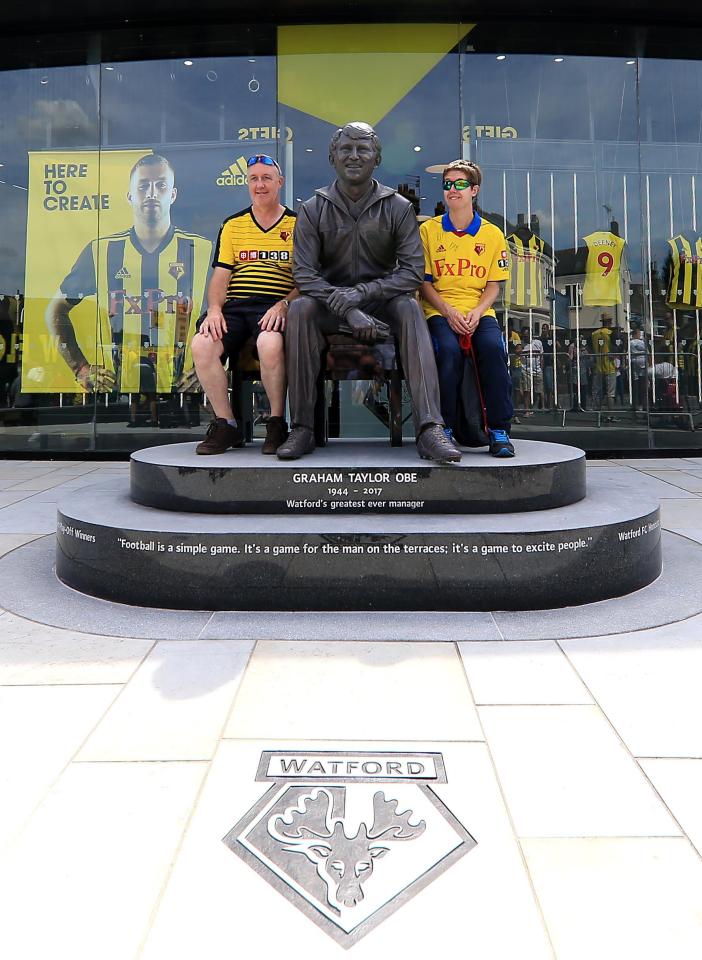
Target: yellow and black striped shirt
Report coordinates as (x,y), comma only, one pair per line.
(527,280)
(685,280)
(143,298)
(260,260)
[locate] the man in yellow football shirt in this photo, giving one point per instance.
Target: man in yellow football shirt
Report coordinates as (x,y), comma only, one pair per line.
(465,259)
(605,381)
(248,296)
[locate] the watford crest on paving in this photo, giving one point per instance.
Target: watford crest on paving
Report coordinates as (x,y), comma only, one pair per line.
(349,837)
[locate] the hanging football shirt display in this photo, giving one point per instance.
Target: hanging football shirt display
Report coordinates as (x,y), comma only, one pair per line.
(528,279)
(684,288)
(603,278)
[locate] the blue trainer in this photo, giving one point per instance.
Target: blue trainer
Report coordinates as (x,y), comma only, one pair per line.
(500,444)
(448,433)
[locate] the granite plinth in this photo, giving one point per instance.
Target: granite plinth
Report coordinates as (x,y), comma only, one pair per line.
(673,597)
(363,477)
(603,546)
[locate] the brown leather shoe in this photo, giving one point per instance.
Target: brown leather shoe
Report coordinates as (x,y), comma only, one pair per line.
(220,437)
(276,433)
(433,444)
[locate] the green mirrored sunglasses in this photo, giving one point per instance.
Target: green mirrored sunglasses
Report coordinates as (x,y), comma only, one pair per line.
(457,184)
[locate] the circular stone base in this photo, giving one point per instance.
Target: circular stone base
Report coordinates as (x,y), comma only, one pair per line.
(674,597)
(357,477)
(604,546)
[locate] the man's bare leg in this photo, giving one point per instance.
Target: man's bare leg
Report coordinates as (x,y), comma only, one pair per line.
(223,432)
(207,355)
(271,355)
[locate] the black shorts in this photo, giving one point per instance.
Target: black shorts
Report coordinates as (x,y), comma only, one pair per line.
(242,318)
(147,377)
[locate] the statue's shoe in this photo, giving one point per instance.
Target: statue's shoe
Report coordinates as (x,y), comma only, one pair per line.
(433,444)
(300,442)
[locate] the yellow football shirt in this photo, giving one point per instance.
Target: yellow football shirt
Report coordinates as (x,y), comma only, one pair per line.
(260,260)
(459,264)
(601,347)
(603,286)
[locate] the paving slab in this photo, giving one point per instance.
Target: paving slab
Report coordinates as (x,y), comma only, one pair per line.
(10,541)
(425,694)
(679,782)
(648,684)
(48,725)
(679,513)
(636,482)
(565,773)
(84,876)
(32,653)
(175,705)
(521,672)
(28,516)
(616,898)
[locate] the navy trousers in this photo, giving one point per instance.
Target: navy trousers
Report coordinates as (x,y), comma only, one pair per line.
(491,358)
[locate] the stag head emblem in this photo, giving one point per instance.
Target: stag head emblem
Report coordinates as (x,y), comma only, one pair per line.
(328,816)
(344,863)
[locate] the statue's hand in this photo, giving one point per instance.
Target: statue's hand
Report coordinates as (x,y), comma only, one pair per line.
(363,326)
(96,379)
(343,299)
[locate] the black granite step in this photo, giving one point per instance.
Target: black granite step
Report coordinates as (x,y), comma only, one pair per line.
(357,477)
(606,545)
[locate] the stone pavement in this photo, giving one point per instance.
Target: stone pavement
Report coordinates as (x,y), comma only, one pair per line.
(574,764)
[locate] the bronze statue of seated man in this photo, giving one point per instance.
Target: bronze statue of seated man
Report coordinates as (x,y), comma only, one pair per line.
(357,262)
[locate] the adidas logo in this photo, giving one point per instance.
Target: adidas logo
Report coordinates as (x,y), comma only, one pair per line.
(234,175)
(123,274)
(441,248)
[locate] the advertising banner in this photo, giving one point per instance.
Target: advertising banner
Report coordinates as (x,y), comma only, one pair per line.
(119,246)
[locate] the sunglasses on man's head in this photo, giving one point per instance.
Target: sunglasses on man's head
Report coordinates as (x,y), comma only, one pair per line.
(458,184)
(262,158)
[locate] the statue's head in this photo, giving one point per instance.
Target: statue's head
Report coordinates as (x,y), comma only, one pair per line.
(354,152)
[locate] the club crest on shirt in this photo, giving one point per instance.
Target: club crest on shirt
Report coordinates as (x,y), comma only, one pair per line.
(480,248)
(285,235)
(176,270)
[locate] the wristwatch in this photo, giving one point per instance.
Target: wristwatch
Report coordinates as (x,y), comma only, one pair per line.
(286,302)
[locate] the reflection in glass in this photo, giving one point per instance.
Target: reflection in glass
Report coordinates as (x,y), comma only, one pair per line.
(592,169)
(47,119)
(176,172)
(670,159)
(558,143)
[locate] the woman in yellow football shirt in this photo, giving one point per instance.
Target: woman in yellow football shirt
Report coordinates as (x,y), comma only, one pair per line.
(465,259)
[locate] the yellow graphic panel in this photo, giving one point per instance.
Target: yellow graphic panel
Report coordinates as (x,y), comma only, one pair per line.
(358,71)
(73,197)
